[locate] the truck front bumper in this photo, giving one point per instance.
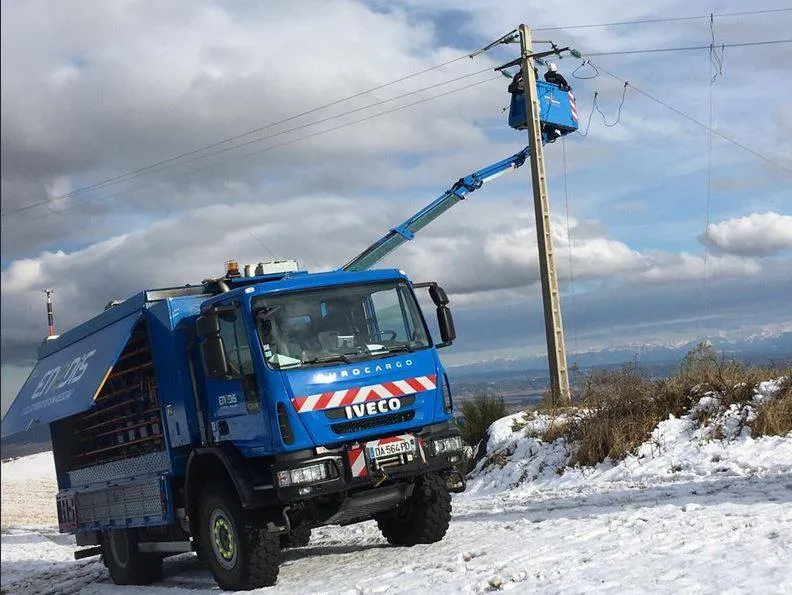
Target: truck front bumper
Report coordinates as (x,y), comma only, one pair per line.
(352,467)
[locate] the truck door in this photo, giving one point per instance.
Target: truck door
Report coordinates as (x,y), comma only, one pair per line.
(234,399)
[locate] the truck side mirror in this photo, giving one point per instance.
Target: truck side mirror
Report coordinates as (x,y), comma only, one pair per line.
(214,357)
(446,323)
(444,319)
(438,295)
(207,325)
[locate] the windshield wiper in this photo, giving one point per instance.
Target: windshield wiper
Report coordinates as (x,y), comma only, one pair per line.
(401,349)
(341,357)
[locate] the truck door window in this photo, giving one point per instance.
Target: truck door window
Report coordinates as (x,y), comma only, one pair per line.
(237,346)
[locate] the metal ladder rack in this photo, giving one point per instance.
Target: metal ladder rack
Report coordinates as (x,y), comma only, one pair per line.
(125,420)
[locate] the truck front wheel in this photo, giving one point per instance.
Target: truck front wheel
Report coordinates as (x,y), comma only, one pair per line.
(423,517)
(241,556)
(126,564)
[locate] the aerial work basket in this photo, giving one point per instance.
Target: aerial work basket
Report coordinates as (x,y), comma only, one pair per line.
(557,109)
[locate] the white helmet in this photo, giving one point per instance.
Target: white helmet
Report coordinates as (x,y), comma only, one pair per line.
(553,67)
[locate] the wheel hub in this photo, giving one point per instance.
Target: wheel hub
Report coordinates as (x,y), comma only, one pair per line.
(224,541)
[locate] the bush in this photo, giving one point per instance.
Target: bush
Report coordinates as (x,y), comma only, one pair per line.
(702,371)
(479,414)
(774,417)
(620,408)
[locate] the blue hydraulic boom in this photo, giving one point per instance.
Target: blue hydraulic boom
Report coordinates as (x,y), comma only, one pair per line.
(558,117)
(407,230)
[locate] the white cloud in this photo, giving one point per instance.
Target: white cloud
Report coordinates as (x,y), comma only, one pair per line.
(758,234)
(665,267)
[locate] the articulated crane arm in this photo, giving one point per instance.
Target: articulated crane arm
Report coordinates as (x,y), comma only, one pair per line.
(407,230)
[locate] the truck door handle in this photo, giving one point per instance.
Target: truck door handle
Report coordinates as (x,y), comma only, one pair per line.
(222,427)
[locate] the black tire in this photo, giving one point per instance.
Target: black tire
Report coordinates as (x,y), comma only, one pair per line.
(126,564)
(423,517)
(299,536)
(241,556)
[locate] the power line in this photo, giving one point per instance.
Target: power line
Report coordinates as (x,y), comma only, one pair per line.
(690,47)
(124,176)
(665,20)
(265,149)
(168,163)
(697,122)
(171,161)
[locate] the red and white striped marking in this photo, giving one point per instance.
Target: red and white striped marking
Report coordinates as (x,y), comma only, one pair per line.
(357,461)
(573,106)
(361,394)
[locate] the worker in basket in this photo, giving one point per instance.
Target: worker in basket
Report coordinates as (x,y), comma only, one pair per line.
(553,76)
(516,87)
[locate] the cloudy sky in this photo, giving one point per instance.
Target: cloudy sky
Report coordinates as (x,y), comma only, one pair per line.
(93,90)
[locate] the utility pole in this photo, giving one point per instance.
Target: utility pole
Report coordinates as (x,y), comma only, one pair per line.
(50,316)
(554,329)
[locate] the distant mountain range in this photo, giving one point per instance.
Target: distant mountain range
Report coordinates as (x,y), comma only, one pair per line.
(756,349)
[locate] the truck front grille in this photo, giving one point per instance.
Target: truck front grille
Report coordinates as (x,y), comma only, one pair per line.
(373,422)
(340,412)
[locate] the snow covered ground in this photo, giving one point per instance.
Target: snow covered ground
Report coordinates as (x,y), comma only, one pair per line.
(687,513)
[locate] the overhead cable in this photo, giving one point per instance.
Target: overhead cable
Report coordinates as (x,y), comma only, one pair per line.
(198,155)
(263,150)
(133,173)
(665,20)
(697,122)
(688,48)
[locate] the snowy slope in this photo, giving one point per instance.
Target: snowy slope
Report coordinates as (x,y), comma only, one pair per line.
(685,514)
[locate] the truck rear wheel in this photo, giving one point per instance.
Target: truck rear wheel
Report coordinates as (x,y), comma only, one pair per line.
(423,517)
(240,555)
(126,564)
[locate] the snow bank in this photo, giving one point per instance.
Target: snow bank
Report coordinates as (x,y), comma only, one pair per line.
(679,449)
(28,491)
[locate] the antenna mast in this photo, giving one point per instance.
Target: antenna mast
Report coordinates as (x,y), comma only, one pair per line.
(50,316)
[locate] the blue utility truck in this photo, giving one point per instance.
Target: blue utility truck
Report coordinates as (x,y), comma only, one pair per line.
(230,417)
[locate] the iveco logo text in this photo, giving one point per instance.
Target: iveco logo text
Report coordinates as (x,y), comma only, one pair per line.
(332,376)
(372,407)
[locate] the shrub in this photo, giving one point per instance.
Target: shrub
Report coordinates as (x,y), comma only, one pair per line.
(703,371)
(479,413)
(620,409)
(774,417)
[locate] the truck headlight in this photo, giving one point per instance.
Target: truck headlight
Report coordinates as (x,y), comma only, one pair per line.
(306,474)
(443,445)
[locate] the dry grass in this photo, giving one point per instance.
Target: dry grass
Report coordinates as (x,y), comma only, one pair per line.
(774,418)
(618,409)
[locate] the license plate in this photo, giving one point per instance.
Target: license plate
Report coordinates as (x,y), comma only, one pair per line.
(377,449)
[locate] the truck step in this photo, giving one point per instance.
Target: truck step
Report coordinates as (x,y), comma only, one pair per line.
(368,503)
(88,552)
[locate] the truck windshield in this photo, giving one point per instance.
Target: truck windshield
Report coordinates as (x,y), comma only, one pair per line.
(338,324)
